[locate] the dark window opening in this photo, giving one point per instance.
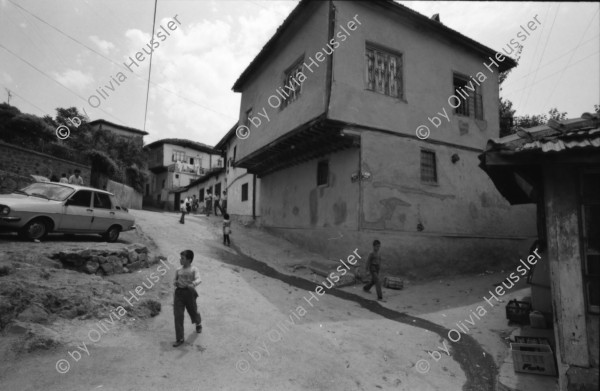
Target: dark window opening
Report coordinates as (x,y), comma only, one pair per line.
(469,94)
(292,83)
(245,192)
(590,190)
(428,167)
(323,173)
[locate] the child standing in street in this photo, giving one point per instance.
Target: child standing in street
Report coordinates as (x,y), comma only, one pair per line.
(226,230)
(182,210)
(373,266)
(187,278)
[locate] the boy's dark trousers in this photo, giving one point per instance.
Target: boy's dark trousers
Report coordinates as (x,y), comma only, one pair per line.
(185,298)
(374,281)
(182,219)
(226,240)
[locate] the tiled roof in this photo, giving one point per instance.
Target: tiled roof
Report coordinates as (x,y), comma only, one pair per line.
(182,143)
(126,128)
(555,136)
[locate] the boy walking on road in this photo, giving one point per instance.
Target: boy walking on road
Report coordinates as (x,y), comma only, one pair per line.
(373,266)
(187,278)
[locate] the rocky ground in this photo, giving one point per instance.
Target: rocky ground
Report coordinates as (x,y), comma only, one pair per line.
(260,332)
(66,280)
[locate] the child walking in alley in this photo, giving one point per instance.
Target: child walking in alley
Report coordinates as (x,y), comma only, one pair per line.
(373,266)
(187,278)
(226,230)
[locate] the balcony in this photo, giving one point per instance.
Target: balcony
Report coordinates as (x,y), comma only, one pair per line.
(186,168)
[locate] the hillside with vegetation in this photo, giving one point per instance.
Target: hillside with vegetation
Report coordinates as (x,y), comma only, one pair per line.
(110,156)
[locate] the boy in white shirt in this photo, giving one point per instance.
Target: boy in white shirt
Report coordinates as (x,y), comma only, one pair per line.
(187,278)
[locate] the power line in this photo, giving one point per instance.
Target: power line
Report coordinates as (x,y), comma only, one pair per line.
(114,62)
(571,58)
(548,63)
(552,74)
(31,103)
(150,67)
(543,52)
(548,39)
(51,78)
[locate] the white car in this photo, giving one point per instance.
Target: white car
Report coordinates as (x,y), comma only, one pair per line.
(45,207)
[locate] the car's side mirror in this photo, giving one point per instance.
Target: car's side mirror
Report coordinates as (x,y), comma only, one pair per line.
(68,202)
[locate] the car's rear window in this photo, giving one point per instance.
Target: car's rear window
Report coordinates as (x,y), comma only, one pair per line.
(49,190)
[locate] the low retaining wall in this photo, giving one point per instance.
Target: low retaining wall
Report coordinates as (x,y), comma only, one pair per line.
(414,255)
(24,162)
(10,182)
(126,196)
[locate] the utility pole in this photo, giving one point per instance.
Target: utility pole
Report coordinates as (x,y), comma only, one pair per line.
(9,95)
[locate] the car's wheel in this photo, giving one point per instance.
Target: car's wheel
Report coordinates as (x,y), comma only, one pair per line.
(35,229)
(112,234)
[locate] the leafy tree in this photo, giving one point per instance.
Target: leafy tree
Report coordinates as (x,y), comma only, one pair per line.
(527,121)
(507,113)
(27,130)
(112,157)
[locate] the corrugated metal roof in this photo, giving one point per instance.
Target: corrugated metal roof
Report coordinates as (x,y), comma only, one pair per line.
(555,136)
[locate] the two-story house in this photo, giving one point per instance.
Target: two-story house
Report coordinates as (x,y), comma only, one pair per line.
(101,125)
(175,163)
(241,186)
(332,104)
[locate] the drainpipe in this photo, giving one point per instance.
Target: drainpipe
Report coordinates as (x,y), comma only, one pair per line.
(254,196)
(360,188)
(329,77)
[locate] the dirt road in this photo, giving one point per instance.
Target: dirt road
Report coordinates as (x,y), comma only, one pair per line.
(260,333)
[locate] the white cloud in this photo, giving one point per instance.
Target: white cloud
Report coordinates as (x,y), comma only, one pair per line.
(74,79)
(5,78)
(104,46)
(201,61)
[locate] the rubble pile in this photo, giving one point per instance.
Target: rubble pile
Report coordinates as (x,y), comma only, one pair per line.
(108,262)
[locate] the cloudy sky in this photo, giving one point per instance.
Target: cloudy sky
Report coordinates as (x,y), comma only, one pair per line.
(56,53)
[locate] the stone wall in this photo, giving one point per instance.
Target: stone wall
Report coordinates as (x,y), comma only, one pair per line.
(24,162)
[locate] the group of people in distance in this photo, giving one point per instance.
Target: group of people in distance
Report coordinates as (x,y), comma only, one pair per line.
(191,203)
(74,179)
